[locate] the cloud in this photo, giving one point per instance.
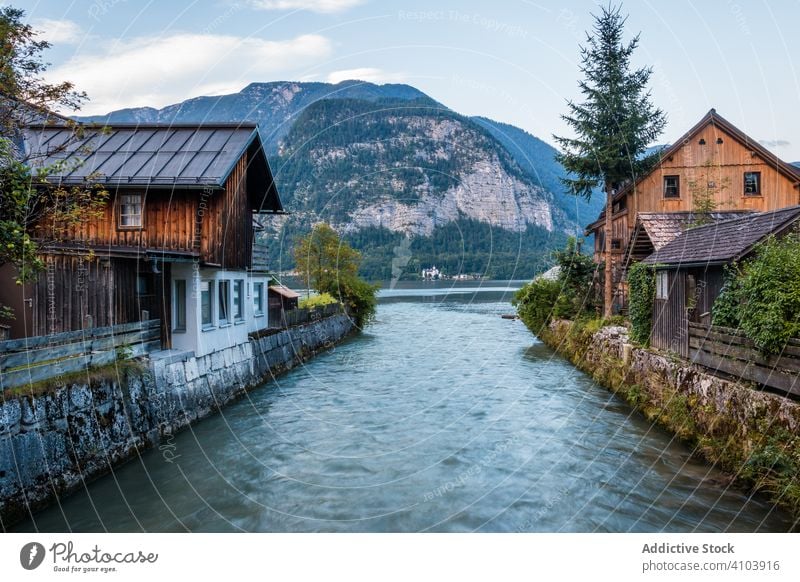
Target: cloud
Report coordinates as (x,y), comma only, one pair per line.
(313,5)
(58,31)
(157,71)
(774,143)
(368,74)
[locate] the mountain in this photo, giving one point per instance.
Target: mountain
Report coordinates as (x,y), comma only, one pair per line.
(273,106)
(537,159)
(407,181)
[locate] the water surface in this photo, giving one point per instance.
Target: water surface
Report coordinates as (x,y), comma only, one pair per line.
(441,416)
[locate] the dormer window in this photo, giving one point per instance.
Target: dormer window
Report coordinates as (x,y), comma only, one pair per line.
(130,211)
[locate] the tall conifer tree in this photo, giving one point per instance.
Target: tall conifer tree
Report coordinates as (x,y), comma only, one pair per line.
(613,126)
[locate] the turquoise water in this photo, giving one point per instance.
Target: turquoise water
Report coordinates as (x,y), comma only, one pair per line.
(441,416)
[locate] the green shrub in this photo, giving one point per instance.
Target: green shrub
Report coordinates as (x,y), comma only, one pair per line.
(642,292)
(320,300)
(576,275)
(357,296)
(536,303)
(762,297)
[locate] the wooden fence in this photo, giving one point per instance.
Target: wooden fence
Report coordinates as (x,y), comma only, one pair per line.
(33,359)
(729,351)
(298,316)
(303,316)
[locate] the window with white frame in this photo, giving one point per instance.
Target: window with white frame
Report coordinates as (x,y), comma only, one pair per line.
(258,298)
(130,210)
(224,302)
(238,300)
(207,303)
(662,285)
(179,305)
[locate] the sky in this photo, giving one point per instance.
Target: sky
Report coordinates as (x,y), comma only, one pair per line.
(515,61)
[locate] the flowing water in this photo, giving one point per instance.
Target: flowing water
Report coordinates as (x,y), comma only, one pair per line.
(441,416)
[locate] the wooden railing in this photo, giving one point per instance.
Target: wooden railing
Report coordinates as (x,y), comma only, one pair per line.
(260,259)
(296,317)
(303,316)
(33,359)
(729,351)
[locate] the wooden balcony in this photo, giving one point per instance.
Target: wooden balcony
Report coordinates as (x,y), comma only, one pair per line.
(260,260)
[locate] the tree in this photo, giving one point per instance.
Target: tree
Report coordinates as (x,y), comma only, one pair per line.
(33,211)
(613,126)
(321,257)
(330,265)
(704,189)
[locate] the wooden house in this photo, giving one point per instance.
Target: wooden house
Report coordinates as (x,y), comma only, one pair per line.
(714,161)
(690,271)
(176,241)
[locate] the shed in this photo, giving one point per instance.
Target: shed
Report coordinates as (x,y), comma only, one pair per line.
(280,299)
(690,271)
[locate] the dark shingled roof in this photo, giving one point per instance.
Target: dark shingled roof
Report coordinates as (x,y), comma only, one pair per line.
(664,227)
(143,154)
(724,241)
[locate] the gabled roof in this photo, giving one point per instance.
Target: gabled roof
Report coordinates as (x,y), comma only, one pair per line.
(143,154)
(712,117)
(725,241)
(653,230)
(155,156)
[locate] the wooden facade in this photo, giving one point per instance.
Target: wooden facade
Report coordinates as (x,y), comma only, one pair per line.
(690,296)
(690,274)
(187,195)
(712,159)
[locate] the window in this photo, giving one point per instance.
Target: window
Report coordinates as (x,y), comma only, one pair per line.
(616,244)
(224,302)
(752,183)
(672,186)
(130,211)
(258,298)
(179,305)
(238,300)
(662,285)
(144,284)
(206,303)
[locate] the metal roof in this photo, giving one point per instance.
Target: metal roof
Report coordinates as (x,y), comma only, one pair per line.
(724,241)
(283,290)
(142,154)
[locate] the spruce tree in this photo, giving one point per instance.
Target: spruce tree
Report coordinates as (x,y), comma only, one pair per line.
(613,126)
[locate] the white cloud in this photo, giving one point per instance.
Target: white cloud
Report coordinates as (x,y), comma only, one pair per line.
(368,74)
(313,5)
(58,31)
(157,71)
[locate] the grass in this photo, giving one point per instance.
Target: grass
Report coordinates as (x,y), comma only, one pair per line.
(118,371)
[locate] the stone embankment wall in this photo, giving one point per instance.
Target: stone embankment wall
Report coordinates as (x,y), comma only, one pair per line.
(51,443)
(752,434)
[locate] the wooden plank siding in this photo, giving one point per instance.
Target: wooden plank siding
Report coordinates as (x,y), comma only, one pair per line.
(730,160)
(227,230)
(72,288)
(670,321)
(168,222)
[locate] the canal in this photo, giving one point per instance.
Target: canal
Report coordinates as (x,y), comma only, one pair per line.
(441,416)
